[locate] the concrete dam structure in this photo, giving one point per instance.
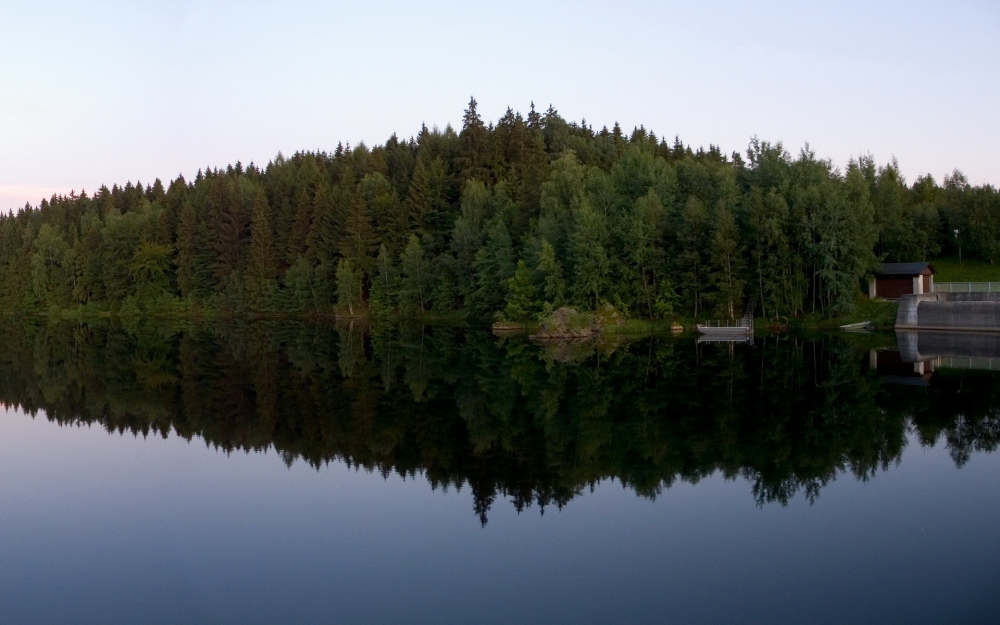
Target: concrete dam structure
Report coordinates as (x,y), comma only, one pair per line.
(923,346)
(975,312)
(921,354)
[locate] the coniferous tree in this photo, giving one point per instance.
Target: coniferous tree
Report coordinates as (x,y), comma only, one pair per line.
(388,213)
(475,152)
(233,231)
(261,265)
(187,250)
(494,265)
(469,232)
(418,201)
(607,216)
(324,231)
(358,240)
(522,298)
(551,274)
(300,227)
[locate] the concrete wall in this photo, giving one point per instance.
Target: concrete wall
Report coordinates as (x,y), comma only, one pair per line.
(959,311)
(917,346)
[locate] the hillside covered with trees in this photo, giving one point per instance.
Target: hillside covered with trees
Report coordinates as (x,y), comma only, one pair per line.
(512,218)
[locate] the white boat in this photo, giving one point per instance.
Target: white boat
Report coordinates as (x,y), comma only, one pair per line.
(855,327)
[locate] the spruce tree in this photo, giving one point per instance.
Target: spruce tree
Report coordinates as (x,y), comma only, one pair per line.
(324,231)
(522,295)
(187,249)
(469,232)
(475,142)
(358,239)
(388,213)
(418,203)
(301,225)
(493,267)
(233,236)
(262,265)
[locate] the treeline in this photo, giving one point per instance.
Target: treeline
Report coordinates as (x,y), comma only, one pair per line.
(517,218)
(507,419)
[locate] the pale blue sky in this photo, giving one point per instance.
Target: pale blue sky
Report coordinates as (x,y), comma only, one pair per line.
(94,92)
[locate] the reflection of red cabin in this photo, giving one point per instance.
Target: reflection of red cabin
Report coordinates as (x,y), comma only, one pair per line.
(894,280)
(894,370)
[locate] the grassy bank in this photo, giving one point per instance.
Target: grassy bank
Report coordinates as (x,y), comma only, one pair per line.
(881,313)
(950,270)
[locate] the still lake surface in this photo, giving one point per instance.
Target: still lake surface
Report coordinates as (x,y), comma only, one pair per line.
(289,472)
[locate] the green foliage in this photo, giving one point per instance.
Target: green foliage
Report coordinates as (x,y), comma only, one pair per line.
(385,284)
(150,269)
(493,267)
(348,287)
(553,285)
(48,273)
(692,253)
(262,263)
(416,278)
(727,264)
(522,301)
(588,256)
(442,222)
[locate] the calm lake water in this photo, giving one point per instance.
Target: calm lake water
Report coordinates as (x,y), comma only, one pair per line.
(313,473)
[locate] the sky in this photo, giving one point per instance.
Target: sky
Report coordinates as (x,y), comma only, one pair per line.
(96,93)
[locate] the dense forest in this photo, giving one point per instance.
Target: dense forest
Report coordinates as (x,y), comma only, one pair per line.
(530,423)
(512,219)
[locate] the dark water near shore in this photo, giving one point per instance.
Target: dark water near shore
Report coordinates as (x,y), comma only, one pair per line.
(312,472)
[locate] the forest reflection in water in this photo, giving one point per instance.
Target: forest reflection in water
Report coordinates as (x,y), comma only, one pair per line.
(504,417)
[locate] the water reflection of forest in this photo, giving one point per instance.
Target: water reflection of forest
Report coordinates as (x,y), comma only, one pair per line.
(505,417)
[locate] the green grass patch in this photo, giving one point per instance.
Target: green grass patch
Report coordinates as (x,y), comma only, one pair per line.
(880,312)
(950,270)
(640,327)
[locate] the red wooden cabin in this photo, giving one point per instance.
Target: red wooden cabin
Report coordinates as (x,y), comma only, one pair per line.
(894,280)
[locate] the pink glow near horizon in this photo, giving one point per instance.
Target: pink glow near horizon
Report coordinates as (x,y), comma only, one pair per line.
(163,89)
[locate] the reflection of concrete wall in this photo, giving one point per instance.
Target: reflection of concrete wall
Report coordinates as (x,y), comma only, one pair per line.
(894,369)
(920,346)
(959,311)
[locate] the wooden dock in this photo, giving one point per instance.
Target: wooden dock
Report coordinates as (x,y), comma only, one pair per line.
(729,331)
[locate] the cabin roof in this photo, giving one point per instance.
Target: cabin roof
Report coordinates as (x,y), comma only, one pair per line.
(906,269)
